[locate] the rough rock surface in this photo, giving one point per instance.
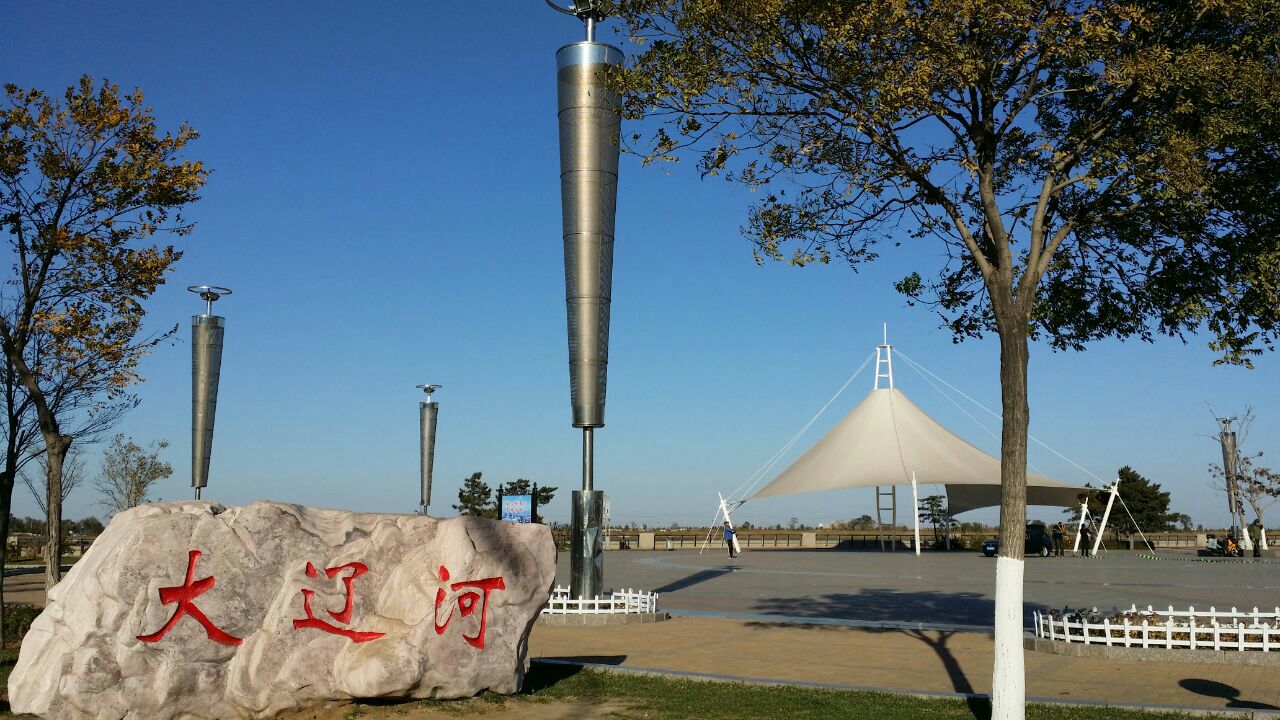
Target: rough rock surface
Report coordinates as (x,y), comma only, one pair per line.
(301,607)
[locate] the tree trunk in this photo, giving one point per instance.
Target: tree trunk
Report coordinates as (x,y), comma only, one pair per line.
(1008,684)
(57,445)
(6,506)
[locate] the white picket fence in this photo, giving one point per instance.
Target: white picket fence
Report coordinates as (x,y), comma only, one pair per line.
(1170,629)
(618,601)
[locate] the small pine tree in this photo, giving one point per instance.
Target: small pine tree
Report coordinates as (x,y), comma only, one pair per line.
(476,498)
(1144,499)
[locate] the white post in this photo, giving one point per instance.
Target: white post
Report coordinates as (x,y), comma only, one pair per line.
(1102,527)
(1084,513)
(915,504)
(1246,542)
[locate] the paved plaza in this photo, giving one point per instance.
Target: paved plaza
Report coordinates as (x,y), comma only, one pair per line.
(898,622)
(953,588)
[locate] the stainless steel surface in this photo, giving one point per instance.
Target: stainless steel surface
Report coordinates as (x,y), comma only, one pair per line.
(589,125)
(427,414)
(209,294)
(586,546)
(588,459)
(206,370)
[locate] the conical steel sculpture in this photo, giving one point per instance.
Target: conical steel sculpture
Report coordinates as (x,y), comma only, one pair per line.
(589,117)
(206,369)
(428,411)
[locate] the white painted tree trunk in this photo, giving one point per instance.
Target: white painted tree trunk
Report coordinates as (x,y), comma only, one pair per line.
(1262,538)
(1009,675)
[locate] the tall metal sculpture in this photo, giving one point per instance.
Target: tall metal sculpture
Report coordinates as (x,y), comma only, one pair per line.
(590,119)
(1230,455)
(206,369)
(428,411)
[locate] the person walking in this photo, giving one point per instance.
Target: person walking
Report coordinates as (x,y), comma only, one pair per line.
(1255,536)
(730,540)
(1086,539)
(1059,533)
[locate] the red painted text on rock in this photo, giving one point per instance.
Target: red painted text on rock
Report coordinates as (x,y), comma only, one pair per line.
(470,593)
(184,595)
(344,615)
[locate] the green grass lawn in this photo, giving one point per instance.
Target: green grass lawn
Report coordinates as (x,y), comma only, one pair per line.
(660,698)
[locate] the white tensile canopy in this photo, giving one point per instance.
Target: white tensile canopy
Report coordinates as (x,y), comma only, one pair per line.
(887,440)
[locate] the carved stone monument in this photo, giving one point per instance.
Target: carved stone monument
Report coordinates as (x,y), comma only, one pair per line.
(195,610)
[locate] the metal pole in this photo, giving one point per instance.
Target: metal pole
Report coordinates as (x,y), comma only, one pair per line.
(1230,457)
(1102,526)
(915,506)
(1084,514)
(207,332)
(588,459)
(428,416)
(589,117)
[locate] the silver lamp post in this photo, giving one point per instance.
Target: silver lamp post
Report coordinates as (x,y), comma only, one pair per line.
(428,411)
(1230,454)
(589,125)
(206,369)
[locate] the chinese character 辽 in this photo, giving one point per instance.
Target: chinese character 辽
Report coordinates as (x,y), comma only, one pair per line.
(344,615)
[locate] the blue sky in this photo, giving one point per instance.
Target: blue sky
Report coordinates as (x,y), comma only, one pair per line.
(385,205)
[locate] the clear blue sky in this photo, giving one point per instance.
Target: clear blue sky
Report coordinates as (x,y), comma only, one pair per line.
(385,205)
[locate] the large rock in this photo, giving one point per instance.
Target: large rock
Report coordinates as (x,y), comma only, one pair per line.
(193,610)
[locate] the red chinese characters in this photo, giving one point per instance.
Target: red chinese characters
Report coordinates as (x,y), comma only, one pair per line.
(473,592)
(184,595)
(344,615)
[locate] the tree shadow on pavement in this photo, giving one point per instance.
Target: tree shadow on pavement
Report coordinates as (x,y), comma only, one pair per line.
(1213,688)
(895,606)
(887,605)
(699,577)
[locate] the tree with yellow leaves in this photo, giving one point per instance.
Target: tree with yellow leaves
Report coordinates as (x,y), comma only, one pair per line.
(85,181)
(1083,168)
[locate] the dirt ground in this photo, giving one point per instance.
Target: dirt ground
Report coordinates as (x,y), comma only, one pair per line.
(509,710)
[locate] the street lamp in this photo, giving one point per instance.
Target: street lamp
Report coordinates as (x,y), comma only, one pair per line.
(206,370)
(428,411)
(589,118)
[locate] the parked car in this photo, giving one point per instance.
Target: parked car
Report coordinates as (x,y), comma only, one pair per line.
(1038,542)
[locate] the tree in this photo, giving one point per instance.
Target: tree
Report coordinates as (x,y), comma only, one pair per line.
(1183,521)
(521,486)
(90,526)
(476,498)
(1256,484)
(84,181)
(72,478)
(1146,502)
(72,398)
(129,471)
(1089,169)
(934,511)
(862,522)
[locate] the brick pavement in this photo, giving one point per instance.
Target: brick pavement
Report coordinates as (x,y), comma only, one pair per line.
(899,659)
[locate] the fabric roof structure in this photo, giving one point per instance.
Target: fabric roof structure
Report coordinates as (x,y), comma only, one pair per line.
(885,439)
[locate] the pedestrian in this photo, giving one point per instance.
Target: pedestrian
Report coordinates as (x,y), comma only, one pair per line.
(1086,539)
(730,540)
(1255,536)
(1059,533)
